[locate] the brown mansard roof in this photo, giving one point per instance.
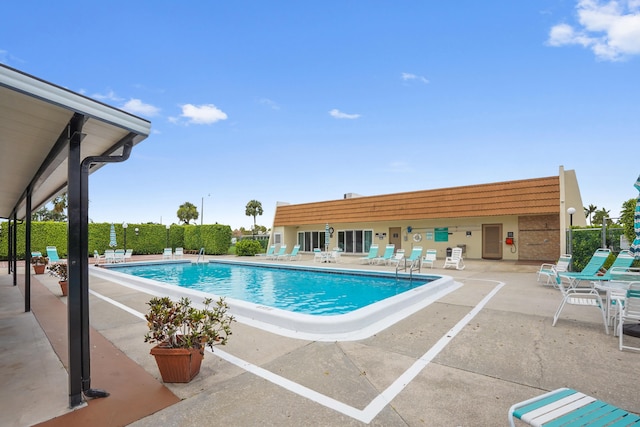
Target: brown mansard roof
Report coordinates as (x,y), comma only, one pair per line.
(525,197)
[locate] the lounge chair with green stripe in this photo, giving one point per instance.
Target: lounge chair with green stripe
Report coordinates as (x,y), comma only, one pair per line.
(591,269)
(565,406)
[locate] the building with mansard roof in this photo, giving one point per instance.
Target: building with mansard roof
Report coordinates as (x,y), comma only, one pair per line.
(523,220)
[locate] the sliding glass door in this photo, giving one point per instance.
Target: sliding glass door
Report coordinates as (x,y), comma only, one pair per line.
(355,241)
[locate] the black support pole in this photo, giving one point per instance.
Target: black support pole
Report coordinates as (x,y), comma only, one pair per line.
(9,246)
(75,303)
(15,249)
(27,255)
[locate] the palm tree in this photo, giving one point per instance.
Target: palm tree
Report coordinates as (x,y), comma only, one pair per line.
(253,208)
(590,211)
(599,216)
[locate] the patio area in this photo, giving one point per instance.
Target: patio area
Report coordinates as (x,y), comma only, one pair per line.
(463,360)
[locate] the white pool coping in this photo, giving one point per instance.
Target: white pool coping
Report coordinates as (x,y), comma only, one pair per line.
(356,325)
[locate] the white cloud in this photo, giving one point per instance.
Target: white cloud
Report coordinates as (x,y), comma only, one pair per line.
(136,106)
(271,104)
(611,30)
(410,76)
(201,114)
(340,115)
(109,96)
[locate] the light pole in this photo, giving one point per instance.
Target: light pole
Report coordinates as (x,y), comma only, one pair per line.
(571,211)
(124,227)
(202,209)
(168,227)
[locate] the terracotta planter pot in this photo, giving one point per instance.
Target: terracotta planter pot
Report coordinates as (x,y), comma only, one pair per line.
(64,286)
(39,268)
(178,365)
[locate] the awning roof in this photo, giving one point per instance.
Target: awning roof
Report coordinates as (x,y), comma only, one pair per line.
(34,115)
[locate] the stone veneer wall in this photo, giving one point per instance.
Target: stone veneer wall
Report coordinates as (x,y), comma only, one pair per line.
(538,238)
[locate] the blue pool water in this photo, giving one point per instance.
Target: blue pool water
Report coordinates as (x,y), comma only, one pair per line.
(299,290)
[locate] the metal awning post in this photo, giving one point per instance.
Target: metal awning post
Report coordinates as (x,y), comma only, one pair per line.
(15,249)
(27,255)
(78,329)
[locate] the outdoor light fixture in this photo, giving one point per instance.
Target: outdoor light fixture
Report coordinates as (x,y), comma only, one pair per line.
(571,211)
(168,227)
(137,230)
(124,227)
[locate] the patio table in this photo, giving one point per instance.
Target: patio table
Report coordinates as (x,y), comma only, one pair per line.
(616,292)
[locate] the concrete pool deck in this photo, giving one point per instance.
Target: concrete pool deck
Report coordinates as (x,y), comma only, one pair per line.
(461,361)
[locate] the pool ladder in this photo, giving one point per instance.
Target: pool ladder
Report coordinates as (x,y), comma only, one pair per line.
(200,254)
(411,268)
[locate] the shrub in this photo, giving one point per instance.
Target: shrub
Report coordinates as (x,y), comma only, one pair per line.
(177,324)
(248,247)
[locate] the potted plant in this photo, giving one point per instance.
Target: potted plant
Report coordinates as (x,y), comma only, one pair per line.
(39,263)
(59,269)
(182,331)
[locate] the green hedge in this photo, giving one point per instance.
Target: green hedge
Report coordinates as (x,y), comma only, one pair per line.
(587,240)
(150,239)
(248,247)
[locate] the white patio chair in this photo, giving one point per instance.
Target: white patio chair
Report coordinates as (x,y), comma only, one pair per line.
(167,254)
(319,256)
(334,255)
(179,253)
(585,297)
(429,258)
(561,266)
(127,254)
(97,257)
(630,312)
(455,260)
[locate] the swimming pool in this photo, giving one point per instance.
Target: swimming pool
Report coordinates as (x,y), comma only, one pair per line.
(335,316)
(308,291)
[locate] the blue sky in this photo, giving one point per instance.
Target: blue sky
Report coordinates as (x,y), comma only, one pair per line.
(300,101)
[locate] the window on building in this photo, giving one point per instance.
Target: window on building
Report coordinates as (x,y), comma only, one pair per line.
(355,241)
(308,240)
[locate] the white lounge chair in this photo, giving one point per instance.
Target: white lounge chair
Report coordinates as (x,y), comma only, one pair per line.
(396,259)
(414,261)
(179,253)
(291,256)
(97,257)
(127,254)
(373,254)
(561,266)
(565,406)
(386,256)
(592,268)
(118,255)
(109,256)
(429,258)
(269,252)
(281,252)
(455,260)
(167,254)
(52,254)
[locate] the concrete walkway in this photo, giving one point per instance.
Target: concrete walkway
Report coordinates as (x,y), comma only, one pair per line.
(461,361)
